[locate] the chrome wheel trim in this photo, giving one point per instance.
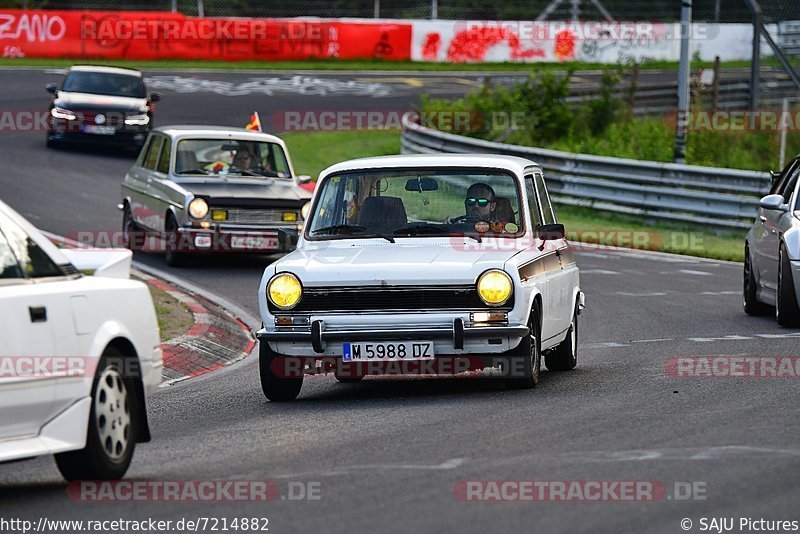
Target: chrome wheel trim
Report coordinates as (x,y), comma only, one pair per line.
(112,414)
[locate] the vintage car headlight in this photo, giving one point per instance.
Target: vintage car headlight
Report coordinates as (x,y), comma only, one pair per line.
(284,291)
(60,113)
(495,287)
(137,120)
(198,208)
(304,210)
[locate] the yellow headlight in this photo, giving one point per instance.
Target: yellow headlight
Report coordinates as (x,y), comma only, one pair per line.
(198,208)
(290,216)
(284,291)
(495,287)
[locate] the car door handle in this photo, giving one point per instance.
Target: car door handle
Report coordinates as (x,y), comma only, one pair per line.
(762,218)
(38,314)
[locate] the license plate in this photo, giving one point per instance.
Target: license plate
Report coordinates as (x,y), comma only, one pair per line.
(254,242)
(99,130)
(387,351)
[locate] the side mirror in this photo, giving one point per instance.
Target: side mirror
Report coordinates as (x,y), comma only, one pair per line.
(155,97)
(549,232)
(774,202)
(51,88)
(304,179)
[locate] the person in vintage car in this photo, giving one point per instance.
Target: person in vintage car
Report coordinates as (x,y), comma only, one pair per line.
(212,189)
(101,105)
(387,272)
(772,251)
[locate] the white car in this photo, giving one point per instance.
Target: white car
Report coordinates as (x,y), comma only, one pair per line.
(772,251)
(78,354)
(420,260)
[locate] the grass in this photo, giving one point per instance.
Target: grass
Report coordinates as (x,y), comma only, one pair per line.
(313,151)
(174,319)
(337,64)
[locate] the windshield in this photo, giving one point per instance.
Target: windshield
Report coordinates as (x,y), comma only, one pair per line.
(419,202)
(226,157)
(104,83)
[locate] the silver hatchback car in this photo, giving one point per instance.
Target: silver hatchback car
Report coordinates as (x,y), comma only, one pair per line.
(204,189)
(772,251)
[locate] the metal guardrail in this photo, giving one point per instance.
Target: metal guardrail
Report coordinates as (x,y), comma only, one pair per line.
(687,193)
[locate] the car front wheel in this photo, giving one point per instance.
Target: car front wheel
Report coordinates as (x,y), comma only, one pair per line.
(525,362)
(564,357)
(786,309)
(274,368)
(112,432)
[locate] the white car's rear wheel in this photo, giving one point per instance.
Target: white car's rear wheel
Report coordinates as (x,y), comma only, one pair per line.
(112,431)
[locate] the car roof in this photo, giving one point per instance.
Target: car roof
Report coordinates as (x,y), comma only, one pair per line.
(186,131)
(45,244)
(490,161)
(104,69)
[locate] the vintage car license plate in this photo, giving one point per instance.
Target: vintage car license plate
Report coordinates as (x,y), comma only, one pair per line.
(387,351)
(99,130)
(248,242)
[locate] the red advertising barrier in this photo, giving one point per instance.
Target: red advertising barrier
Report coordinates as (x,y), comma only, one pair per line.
(160,35)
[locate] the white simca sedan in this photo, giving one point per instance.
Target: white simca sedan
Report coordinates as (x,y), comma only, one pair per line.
(409,262)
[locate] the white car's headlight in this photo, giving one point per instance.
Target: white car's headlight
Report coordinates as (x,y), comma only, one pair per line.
(304,210)
(60,113)
(495,287)
(284,291)
(137,120)
(198,208)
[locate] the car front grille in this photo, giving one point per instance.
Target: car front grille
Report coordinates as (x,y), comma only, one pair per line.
(258,216)
(390,299)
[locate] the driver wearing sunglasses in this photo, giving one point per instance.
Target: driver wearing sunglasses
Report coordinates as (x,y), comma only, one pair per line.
(480,202)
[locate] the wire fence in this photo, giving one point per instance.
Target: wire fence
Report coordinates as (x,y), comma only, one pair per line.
(651,10)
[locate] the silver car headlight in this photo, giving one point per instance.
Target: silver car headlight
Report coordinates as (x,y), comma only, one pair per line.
(304,210)
(198,208)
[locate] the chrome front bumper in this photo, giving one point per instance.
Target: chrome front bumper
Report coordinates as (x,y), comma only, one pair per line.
(317,335)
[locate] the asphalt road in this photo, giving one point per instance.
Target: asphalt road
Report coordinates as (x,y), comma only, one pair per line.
(388,453)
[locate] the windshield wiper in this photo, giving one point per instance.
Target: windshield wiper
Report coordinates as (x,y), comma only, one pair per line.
(417,229)
(350,229)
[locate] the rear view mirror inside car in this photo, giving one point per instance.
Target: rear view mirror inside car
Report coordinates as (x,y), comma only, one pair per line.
(422,184)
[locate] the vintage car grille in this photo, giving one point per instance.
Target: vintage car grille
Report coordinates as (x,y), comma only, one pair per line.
(388,299)
(257,216)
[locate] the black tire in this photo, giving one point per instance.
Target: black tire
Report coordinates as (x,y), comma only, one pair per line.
(113,428)
(276,388)
(352,372)
(173,256)
(131,233)
(564,356)
(751,305)
(786,309)
(525,361)
(49,142)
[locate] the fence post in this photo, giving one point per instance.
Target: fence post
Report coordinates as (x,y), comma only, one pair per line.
(715,85)
(632,89)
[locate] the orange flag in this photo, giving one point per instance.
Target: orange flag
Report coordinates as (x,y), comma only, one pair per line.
(255,122)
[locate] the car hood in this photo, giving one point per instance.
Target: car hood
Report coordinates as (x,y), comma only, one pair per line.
(245,190)
(84,101)
(377,262)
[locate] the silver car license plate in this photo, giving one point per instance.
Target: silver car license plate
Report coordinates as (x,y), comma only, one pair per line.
(99,130)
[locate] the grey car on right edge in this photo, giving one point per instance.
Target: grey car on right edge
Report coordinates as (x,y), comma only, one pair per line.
(772,251)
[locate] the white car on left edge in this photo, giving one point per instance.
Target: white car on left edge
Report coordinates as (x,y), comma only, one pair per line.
(78,354)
